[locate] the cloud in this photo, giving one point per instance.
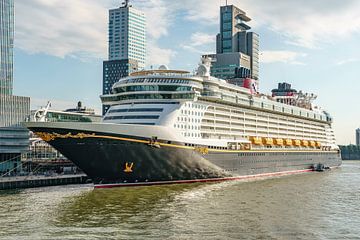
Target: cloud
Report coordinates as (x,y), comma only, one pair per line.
(288,57)
(200,38)
(66,28)
(62,27)
(304,23)
(197,42)
(78,28)
(159,56)
(158,17)
(346,61)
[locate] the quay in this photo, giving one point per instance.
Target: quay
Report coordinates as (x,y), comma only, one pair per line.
(42,181)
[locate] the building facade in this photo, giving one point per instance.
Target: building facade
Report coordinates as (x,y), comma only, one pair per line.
(127,45)
(358,136)
(14,139)
(237,49)
(127,34)
(6,46)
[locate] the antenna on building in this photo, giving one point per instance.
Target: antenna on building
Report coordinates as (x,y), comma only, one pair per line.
(126,3)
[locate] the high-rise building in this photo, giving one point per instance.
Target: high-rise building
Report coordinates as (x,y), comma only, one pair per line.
(14,139)
(235,40)
(6,46)
(358,136)
(127,34)
(127,45)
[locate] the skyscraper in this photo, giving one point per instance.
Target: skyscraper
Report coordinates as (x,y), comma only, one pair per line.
(127,45)
(127,39)
(14,139)
(358,136)
(237,50)
(6,46)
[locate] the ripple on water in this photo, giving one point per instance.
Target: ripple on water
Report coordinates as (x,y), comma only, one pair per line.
(307,206)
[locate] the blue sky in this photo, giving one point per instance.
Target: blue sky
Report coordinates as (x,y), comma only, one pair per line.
(314,45)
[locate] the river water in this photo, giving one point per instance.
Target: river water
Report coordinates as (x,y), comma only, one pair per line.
(306,206)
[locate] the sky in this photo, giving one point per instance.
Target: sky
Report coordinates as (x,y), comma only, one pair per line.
(314,45)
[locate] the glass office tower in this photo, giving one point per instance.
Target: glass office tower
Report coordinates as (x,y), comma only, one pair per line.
(6,46)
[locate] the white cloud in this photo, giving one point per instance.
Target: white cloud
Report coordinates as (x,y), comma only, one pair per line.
(197,42)
(288,57)
(62,27)
(66,28)
(346,61)
(79,28)
(158,17)
(304,23)
(159,56)
(200,38)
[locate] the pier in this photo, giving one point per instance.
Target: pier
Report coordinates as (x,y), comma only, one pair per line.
(42,181)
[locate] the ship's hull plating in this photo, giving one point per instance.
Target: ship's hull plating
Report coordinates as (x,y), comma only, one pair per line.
(124,160)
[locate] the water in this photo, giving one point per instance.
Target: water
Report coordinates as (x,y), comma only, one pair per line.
(307,206)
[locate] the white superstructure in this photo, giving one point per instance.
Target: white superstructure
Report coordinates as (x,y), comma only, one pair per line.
(203,109)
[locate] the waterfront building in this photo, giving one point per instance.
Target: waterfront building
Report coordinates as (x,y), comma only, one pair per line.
(237,50)
(127,45)
(14,139)
(358,136)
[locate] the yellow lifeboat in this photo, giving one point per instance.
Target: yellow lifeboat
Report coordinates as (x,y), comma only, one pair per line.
(279,141)
(256,140)
(268,141)
(288,142)
(312,143)
(318,144)
(297,142)
(305,143)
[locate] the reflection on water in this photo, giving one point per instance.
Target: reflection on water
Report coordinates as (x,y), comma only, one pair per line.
(308,206)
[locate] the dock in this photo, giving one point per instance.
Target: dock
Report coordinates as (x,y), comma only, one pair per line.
(17,182)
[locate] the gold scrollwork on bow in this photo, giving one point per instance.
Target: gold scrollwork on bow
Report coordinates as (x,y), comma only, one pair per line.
(52,136)
(202,150)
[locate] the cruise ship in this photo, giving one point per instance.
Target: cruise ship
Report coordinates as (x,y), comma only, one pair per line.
(170,126)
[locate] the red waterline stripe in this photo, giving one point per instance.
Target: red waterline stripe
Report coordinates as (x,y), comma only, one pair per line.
(201,180)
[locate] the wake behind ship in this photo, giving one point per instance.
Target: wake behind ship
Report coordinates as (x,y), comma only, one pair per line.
(168,126)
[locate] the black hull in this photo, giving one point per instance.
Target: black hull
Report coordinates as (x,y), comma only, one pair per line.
(128,160)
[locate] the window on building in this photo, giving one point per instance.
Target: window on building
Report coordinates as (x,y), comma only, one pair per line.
(227,26)
(227,34)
